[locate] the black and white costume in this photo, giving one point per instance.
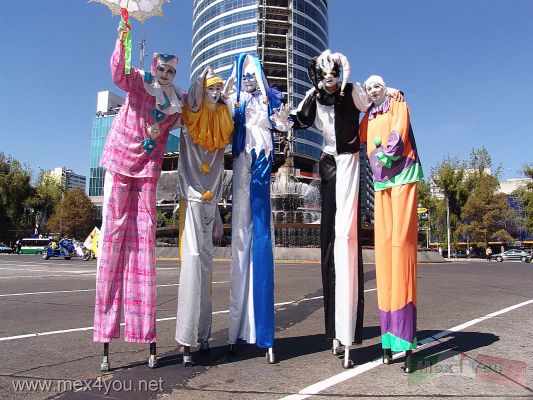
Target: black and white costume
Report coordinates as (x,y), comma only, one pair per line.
(335,112)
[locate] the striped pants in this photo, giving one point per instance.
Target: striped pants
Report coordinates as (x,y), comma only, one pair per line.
(126,266)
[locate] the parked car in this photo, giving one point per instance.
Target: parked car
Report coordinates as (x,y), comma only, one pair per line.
(5,249)
(513,254)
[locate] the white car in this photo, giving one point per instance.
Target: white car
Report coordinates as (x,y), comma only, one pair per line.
(5,249)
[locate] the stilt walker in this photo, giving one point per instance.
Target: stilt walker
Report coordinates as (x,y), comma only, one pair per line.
(334,109)
(396,168)
(208,126)
(251,317)
(132,157)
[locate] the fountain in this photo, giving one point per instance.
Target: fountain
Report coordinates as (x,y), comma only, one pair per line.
(295,205)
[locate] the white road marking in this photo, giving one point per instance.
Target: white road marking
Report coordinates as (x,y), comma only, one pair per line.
(80,290)
(47,276)
(45,270)
(30,335)
(344,376)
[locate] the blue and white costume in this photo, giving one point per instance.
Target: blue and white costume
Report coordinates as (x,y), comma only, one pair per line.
(251,308)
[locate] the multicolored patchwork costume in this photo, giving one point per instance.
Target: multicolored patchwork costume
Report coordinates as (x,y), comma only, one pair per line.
(391,147)
(126,266)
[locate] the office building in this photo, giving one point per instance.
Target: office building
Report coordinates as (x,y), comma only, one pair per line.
(107,107)
(68,179)
(284,34)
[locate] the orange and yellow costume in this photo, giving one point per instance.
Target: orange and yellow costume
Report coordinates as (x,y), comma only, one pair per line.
(396,168)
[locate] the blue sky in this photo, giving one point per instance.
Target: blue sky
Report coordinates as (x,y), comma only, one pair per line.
(465,67)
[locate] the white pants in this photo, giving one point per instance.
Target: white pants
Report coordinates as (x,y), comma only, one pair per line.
(346,246)
(193,322)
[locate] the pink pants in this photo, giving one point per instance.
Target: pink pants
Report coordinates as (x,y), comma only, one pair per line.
(126,266)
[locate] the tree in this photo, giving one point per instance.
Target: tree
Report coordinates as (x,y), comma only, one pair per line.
(47,196)
(15,188)
(436,215)
(449,177)
(486,213)
(525,197)
(75,215)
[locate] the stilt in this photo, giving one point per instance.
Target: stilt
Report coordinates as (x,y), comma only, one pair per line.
(104,367)
(346,362)
(408,363)
(387,356)
(152,360)
(204,347)
(232,348)
(336,348)
(187,357)
(270,356)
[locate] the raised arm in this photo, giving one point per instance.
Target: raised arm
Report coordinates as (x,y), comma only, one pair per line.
(124,81)
(304,116)
(360,98)
(195,97)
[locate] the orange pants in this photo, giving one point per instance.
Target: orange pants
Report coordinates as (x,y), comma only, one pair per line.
(396,237)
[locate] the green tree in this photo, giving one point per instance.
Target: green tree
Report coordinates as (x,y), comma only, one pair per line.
(450,177)
(436,215)
(525,197)
(15,188)
(74,216)
(486,213)
(47,196)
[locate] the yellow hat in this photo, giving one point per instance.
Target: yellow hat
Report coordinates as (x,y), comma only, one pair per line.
(210,81)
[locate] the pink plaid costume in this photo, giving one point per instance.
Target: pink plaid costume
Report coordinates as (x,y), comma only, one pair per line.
(126,266)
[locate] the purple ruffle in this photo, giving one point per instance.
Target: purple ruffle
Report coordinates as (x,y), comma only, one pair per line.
(381,109)
(401,323)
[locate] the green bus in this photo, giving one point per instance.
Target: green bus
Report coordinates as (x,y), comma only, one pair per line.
(33,245)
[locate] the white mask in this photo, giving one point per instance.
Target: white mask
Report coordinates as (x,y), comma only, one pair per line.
(376,91)
(164,74)
(330,79)
(249,81)
(212,93)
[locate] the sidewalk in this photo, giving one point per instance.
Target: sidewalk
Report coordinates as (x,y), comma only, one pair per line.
(290,254)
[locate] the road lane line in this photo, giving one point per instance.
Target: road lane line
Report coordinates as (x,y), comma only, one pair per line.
(31,335)
(81,290)
(318,387)
(45,270)
(47,276)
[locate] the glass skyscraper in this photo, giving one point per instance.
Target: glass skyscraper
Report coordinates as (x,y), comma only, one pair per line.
(106,110)
(284,34)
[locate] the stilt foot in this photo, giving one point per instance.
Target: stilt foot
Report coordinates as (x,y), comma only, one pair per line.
(271,359)
(105,366)
(408,363)
(336,348)
(387,356)
(204,347)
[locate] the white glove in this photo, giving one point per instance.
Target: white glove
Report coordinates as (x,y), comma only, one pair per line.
(229,87)
(153,131)
(281,119)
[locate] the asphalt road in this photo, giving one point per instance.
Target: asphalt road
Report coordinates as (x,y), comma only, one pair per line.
(474,320)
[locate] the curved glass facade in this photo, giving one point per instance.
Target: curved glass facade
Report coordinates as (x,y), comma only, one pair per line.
(284,34)
(222,29)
